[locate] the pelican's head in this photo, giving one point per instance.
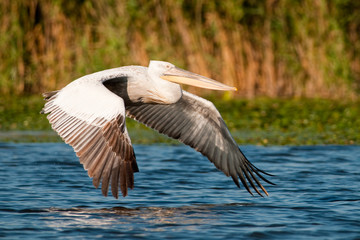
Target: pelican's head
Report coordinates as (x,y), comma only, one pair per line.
(170,72)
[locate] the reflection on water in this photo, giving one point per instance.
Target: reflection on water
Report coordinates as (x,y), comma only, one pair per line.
(45,193)
(152,219)
(187,215)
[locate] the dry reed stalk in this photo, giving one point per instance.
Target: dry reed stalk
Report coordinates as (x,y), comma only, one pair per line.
(138,51)
(227,59)
(252,69)
(269,68)
(50,46)
(195,59)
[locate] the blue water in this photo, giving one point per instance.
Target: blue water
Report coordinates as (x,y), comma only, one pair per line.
(45,193)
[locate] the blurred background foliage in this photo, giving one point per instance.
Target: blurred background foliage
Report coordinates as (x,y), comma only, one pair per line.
(274,48)
(296,63)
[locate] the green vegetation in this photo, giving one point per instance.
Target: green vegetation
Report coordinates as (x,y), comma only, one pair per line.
(286,48)
(260,121)
(289,50)
(293,121)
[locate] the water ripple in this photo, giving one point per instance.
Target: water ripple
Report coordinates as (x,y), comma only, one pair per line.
(179,194)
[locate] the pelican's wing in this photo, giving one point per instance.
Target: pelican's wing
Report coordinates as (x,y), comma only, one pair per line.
(197,123)
(91,119)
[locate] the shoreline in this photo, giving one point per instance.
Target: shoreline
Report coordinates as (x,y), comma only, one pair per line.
(261,121)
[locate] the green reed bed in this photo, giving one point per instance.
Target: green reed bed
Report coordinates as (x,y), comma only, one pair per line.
(260,121)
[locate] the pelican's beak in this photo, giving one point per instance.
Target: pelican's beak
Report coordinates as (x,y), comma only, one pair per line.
(178,75)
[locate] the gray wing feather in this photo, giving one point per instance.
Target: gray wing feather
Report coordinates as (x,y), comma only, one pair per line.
(104,149)
(197,123)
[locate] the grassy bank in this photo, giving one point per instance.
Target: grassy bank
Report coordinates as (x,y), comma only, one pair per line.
(259,121)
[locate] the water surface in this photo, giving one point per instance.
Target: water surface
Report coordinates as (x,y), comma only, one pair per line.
(179,194)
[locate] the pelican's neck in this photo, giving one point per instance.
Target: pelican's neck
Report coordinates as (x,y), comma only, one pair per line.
(165,92)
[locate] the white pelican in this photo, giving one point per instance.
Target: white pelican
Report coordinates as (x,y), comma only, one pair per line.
(89,114)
